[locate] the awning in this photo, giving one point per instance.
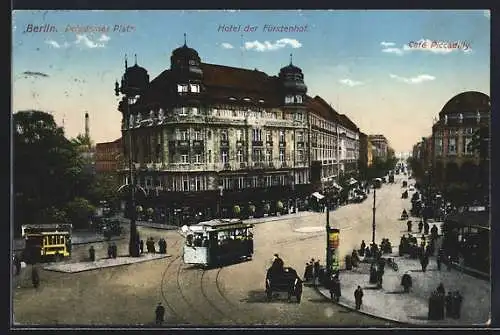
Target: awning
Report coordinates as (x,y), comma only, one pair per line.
(352,181)
(318,196)
(337,186)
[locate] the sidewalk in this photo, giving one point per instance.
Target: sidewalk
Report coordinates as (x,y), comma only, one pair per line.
(393,304)
(76,239)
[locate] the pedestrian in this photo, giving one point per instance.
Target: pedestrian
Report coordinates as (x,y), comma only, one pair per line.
(153,248)
(426,228)
(17,264)
(406,282)
(456,304)
(420,226)
(141,246)
(358,297)
(110,251)
(362,248)
(204,244)
(448,305)
(434,232)
(160,314)
(409,225)
(424,262)
(92,253)
(316,272)
(35,277)
(307,272)
(440,289)
(439,259)
(114,250)
(335,292)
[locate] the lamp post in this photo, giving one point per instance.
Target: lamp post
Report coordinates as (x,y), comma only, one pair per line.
(373,219)
(134,237)
(328,247)
(219,210)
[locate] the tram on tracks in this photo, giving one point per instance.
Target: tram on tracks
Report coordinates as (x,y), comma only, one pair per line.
(218,242)
(46,242)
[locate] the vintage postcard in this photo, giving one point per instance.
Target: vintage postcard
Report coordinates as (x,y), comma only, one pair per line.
(224,167)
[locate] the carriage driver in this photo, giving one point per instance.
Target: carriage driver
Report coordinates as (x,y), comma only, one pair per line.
(277,264)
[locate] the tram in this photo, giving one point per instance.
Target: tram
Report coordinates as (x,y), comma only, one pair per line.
(46,242)
(218,241)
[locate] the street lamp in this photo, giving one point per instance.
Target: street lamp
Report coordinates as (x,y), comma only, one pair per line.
(134,237)
(219,210)
(373,219)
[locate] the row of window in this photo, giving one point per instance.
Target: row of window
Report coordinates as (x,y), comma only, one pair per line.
(453,148)
(196,134)
(184,88)
(290,99)
(455,132)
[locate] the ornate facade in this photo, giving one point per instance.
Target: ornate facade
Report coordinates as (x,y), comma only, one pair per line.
(209,136)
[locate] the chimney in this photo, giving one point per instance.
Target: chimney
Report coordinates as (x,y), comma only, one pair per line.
(87,124)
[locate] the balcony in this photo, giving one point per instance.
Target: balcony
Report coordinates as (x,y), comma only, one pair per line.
(240,143)
(282,144)
(184,167)
(257,143)
(224,144)
(198,144)
(183,144)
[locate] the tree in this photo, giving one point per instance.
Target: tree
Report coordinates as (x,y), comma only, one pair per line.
(83,142)
(80,211)
(103,187)
(47,167)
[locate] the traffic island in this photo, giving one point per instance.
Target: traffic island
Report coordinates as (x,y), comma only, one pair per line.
(102,263)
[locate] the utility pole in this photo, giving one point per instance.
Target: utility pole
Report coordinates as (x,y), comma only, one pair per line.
(328,247)
(374,209)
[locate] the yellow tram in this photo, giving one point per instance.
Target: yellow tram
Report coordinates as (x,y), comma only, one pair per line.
(47,241)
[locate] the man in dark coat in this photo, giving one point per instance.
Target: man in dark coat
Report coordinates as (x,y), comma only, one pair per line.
(456,304)
(160,314)
(308,272)
(448,305)
(278,264)
(358,297)
(420,226)
(110,251)
(335,290)
(406,282)
(92,253)
(316,267)
(35,277)
(434,232)
(141,246)
(115,250)
(409,225)
(426,228)
(17,264)
(424,262)
(362,248)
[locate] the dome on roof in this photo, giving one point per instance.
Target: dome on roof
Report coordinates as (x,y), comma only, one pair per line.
(185,52)
(136,69)
(290,69)
(466,102)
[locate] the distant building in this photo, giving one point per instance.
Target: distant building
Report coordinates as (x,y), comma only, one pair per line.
(380,144)
(108,156)
(461,118)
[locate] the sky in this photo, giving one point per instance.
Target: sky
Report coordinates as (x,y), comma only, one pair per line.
(390,72)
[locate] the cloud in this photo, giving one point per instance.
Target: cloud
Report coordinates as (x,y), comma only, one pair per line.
(350,82)
(227,46)
(84,40)
(387,44)
(35,74)
(104,38)
(425,45)
(487,13)
(414,80)
(56,45)
(268,46)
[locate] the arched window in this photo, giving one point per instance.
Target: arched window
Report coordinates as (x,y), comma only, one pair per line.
(298,99)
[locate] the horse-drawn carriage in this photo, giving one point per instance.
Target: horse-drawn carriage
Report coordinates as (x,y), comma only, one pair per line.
(283,281)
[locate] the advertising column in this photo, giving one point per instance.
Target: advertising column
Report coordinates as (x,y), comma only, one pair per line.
(333,246)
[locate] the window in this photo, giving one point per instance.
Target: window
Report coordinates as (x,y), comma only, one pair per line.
(269,155)
(269,181)
(197,158)
(257,155)
(241,182)
(225,157)
(247,99)
(257,134)
(467,149)
(181,88)
(239,135)
(210,156)
(184,135)
(183,111)
(300,155)
(282,136)
(197,135)
(223,135)
(299,116)
(194,110)
(282,154)
(226,183)
(255,181)
(185,183)
(184,159)
(197,183)
(240,156)
(195,88)
(298,98)
(269,136)
(289,99)
(452,146)
(300,137)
